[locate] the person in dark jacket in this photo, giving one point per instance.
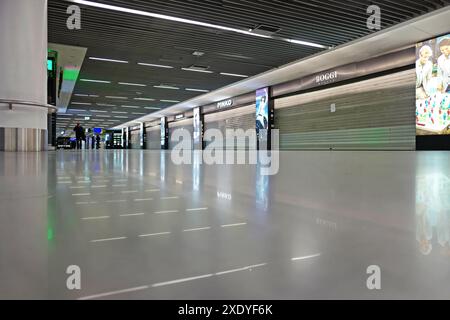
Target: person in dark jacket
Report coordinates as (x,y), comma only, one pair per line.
(79,134)
(98,141)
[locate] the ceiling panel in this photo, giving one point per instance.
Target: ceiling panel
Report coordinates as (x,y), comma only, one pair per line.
(139,39)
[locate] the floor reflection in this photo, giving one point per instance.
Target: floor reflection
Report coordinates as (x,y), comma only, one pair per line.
(315,226)
(433,213)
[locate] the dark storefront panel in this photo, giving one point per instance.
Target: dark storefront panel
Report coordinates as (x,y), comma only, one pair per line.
(375,114)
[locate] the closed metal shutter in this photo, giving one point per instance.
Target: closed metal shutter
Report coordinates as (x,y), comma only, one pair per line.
(187,124)
(153,138)
(136,139)
(240,118)
(375,114)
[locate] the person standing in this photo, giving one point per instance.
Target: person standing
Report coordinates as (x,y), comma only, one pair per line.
(79,134)
(98,141)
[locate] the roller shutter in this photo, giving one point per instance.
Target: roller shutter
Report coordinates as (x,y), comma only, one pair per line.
(136,139)
(375,114)
(154,137)
(186,124)
(239,118)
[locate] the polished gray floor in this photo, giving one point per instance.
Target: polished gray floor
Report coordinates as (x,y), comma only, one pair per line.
(140,227)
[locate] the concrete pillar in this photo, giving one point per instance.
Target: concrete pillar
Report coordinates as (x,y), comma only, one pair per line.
(23,76)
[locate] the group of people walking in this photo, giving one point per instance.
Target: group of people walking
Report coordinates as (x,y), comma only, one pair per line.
(80,135)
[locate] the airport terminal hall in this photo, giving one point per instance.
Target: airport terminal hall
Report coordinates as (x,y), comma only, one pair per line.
(202,151)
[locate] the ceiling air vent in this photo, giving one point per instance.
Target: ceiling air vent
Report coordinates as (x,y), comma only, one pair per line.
(265,30)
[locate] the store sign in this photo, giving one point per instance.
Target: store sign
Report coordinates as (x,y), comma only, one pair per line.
(225,104)
(179,116)
(325,78)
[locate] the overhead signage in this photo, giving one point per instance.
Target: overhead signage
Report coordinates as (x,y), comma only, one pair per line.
(225,104)
(326,78)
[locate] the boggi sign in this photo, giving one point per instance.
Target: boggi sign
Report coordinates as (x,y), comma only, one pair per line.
(326,77)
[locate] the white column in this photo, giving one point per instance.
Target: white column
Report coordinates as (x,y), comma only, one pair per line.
(23,64)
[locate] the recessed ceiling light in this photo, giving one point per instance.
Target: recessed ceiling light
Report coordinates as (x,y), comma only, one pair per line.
(132,84)
(152,108)
(131,107)
(119,112)
(81,95)
(154,65)
(103,116)
(306,43)
(170,101)
(105,105)
(196,70)
(77,110)
(98,111)
(116,97)
(107,60)
(234,75)
(121,117)
(81,103)
(166,87)
(196,90)
(97,81)
(144,99)
(138,113)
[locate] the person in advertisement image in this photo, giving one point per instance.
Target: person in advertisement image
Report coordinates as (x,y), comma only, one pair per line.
(433,87)
(262,110)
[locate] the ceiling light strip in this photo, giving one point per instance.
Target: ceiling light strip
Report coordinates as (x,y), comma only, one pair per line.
(107,60)
(188,21)
(132,84)
(234,75)
(154,65)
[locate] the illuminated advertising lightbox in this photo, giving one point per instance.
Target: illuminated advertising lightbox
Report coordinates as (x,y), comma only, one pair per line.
(164,141)
(198,124)
(262,109)
(263,121)
(141,134)
(433,87)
